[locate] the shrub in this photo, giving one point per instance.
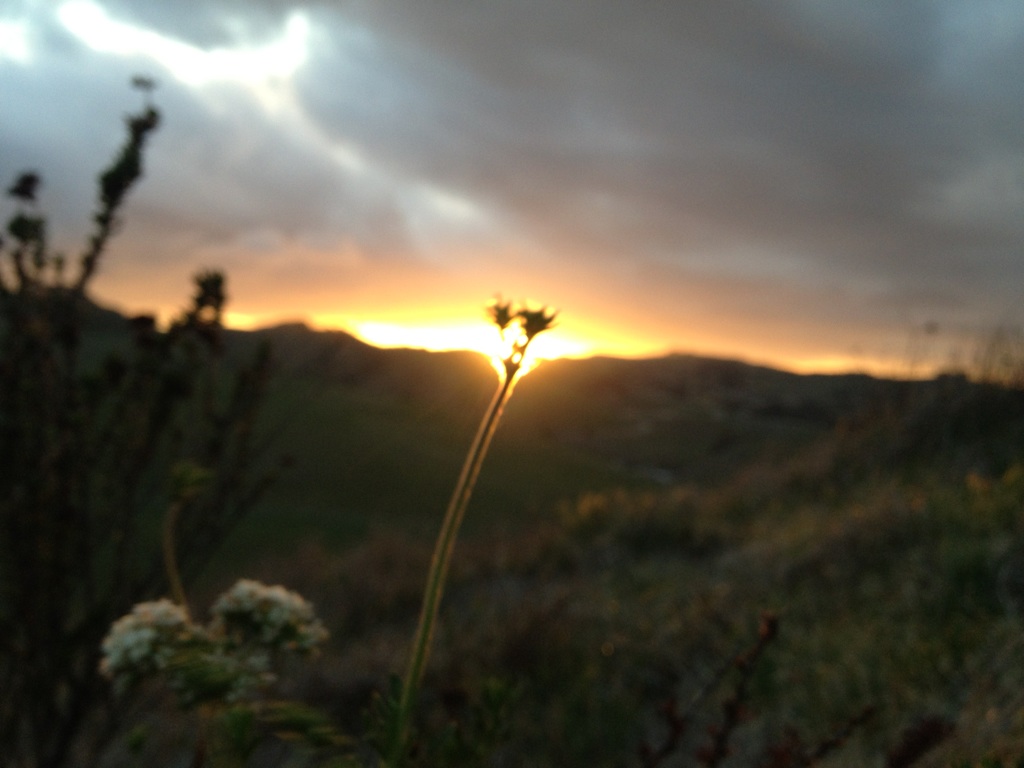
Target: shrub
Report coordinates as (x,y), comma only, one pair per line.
(97,442)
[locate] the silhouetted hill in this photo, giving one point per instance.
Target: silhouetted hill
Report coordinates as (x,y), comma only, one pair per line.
(672,418)
(340,358)
(377,436)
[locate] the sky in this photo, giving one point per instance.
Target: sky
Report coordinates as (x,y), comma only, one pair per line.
(814,184)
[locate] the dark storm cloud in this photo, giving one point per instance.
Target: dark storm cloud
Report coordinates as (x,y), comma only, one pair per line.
(824,133)
(855,165)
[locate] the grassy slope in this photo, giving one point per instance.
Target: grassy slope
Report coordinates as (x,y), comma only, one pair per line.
(898,586)
(378,436)
(890,544)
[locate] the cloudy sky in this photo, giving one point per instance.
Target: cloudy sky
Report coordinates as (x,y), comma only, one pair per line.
(811,183)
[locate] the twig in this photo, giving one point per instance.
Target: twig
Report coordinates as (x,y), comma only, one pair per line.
(732,707)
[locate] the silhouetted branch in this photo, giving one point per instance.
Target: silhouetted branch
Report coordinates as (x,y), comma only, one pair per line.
(733,708)
(114,185)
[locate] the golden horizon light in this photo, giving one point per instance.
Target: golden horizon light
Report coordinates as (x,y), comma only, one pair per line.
(479,336)
(574,338)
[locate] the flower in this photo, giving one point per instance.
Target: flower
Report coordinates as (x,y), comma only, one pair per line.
(227,660)
(253,613)
(535,321)
(502,314)
(145,640)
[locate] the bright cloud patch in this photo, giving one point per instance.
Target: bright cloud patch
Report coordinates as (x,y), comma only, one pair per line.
(14,43)
(193,66)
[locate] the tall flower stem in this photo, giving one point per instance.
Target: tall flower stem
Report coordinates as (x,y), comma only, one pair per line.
(441,559)
(531,322)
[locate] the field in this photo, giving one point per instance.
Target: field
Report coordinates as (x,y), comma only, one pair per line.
(633,522)
(667,562)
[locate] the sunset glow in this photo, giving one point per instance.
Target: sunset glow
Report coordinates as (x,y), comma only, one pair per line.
(574,337)
(384,168)
(476,336)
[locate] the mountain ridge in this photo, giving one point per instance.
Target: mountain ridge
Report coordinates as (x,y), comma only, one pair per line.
(378,435)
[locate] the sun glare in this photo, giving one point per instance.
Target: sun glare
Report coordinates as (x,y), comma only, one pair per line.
(480,337)
(243,321)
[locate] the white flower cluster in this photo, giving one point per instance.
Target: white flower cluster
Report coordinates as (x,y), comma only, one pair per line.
(145,640)
(228,659)
(274,617)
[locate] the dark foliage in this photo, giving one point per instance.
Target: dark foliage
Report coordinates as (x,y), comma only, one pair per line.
(788,751)
(93,446)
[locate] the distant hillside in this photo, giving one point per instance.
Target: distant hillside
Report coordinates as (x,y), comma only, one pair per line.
(340,358)
(663,419)
(377,436)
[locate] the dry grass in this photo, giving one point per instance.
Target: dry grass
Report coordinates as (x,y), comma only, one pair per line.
(898,590)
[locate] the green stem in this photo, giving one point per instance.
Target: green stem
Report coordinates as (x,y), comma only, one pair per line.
(440,561)
(170,559)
